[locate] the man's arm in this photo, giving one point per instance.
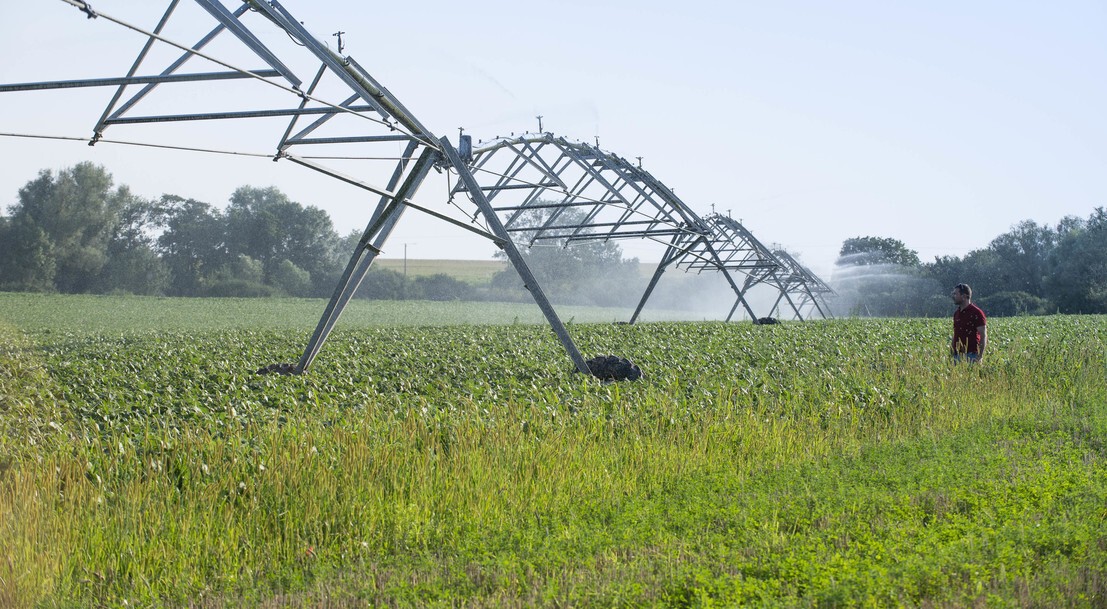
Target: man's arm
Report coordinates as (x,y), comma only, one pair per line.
(983,330)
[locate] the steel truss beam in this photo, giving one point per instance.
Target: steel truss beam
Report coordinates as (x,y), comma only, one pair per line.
(384,119)
(538,187)
(798,280)
(550,189)
(750,255)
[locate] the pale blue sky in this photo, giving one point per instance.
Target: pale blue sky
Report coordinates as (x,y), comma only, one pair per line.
(938,123)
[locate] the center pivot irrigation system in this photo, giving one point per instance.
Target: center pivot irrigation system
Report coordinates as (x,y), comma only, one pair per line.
(521,189)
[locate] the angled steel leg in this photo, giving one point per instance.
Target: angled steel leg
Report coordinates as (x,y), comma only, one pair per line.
(666,260)
(774,311)
(792,304)
(815,301)
(498,229)
(738,301)
(376,234)
(733,309)
(729,279)
(787,297)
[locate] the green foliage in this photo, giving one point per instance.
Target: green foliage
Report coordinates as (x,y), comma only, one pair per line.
(876,250)
(1021,257)
(72,232)
(1078,267)
(27,261)
(1006,304)
(440,286)
(880,277)
(1032,269)
(192,243)
(77,211)
(241,276)
(290,279)
(135,271)
(382,284)
(264,224)
(842,463)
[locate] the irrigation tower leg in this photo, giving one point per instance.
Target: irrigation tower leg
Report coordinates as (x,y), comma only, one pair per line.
(384,219)
(787,297)
(477,195)
(666,260)
(733,309)
(776,304)
(815,301)
(791,304)
(730,280)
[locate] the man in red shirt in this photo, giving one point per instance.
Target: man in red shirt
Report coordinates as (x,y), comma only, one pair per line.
(970,329)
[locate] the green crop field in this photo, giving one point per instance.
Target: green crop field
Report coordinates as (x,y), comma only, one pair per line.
(424,462)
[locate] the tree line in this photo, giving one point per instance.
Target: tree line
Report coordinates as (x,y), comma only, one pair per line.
(1033,269)
(74,231)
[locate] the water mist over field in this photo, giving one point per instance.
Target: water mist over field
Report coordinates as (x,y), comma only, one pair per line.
(708,296)
(883,290)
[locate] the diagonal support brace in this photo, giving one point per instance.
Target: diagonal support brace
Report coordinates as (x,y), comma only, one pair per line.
(532,285)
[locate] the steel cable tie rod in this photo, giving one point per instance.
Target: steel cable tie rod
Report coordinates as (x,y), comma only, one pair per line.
(261,155)
(83,6)
(390,195)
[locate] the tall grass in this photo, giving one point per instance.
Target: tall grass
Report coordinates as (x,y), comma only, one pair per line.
(843,463)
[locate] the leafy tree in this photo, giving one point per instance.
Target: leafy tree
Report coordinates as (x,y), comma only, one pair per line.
(240,276)
(1010,304)
(76,212)
(1077,281)
(135,271)
(290,279)
(1020,263)
(133,265)
(439,286)
(880,276)
(1069,224)
(27,262)
(983,270)
(191,244)
(264,224)
(948,271)
(381,284)
(857,251)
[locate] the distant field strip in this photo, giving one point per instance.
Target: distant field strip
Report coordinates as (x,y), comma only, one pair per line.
(469,271)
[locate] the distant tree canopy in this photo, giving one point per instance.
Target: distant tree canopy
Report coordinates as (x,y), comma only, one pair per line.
(74,230)
(878,276)
(1077,281)
(295,245)
(860,251)
(1032,269)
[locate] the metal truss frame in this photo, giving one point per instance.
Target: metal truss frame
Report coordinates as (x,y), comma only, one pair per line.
(798,280)
(747,254)
(613,198)
(548,175)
